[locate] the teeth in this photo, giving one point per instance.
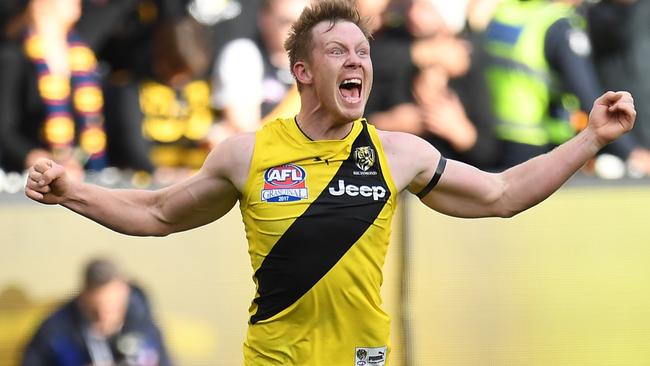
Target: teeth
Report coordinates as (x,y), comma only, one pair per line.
(351,81)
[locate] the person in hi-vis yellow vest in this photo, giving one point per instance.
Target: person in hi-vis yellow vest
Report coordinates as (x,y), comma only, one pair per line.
(542,80)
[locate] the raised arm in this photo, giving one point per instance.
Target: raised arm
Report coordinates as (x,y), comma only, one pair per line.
(201,199)
(465,191)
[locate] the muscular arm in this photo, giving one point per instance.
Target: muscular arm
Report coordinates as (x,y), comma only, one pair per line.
(199,200)
(465,191)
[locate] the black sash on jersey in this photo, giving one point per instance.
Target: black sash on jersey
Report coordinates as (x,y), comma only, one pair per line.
(320,237)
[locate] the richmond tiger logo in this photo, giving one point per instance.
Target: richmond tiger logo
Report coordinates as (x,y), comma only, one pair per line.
(364,157)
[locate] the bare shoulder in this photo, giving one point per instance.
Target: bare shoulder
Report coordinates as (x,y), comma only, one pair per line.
(231,159)
(395,142)
(410,158)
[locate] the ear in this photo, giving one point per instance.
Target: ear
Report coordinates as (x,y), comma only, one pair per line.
(302,72)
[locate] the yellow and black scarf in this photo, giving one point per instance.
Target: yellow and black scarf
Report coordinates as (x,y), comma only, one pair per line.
(74,104)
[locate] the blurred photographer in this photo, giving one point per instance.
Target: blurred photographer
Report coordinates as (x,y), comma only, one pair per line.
(108,324)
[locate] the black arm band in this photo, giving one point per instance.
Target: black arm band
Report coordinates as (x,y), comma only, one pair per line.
(442,163)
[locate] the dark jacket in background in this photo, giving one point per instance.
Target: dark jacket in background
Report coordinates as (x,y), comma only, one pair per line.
(620,34)
(23,110)
(59,340)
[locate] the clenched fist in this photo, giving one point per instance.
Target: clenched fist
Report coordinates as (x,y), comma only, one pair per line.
(47,182)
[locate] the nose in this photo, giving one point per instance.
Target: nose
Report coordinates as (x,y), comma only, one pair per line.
(353,61)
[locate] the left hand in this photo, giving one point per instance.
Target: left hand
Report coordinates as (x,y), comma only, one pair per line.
(612,115)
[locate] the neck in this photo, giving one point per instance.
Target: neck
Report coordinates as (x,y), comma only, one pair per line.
(317,122)
(319,126)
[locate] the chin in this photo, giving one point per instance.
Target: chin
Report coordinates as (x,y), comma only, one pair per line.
(349,116)
(358,113)
(352,113)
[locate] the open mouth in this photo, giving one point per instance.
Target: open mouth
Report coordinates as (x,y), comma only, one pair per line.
(350,89)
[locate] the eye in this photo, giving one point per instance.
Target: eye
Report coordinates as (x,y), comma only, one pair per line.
(336,51)
(363,52)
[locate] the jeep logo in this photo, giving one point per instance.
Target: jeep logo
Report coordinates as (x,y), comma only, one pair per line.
(376,192)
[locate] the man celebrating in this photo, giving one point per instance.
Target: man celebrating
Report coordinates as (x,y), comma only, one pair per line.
(317,194)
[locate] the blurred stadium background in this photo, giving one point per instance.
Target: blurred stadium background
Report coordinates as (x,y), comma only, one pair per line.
(566,283)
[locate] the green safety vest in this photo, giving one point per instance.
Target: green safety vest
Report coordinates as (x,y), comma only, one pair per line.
(523,88)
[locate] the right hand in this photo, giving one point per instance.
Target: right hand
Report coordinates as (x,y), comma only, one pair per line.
(47,182)
(612,115)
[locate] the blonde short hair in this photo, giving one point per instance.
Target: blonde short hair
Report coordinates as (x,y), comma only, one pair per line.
(299,43)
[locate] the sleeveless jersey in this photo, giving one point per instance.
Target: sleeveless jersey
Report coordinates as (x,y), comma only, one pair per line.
(318,218)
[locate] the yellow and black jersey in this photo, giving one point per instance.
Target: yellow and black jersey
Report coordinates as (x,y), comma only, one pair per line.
(318,217)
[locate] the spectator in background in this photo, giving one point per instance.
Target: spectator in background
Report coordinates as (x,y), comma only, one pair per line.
(540,76)
(50,95)
(433,86)
(121,32)
(108,323)
(391,101)
(374,11)
(226,19)
(161,123)
(620,33)
(251,76)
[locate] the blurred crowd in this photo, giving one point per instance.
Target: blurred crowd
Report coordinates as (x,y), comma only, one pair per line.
(137,92)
